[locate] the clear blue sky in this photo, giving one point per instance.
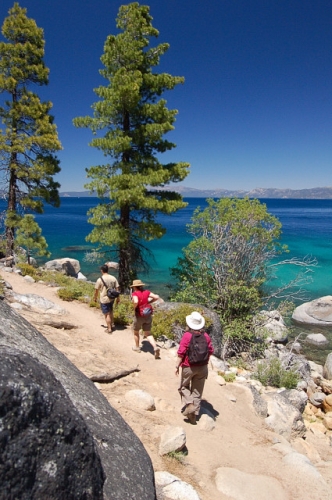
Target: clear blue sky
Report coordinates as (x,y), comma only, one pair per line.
(256,106)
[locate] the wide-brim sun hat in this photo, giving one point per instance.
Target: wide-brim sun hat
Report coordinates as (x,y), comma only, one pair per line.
(195,321)
(137,283)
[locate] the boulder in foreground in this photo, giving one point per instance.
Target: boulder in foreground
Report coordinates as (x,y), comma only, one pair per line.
(47,451)
(126,465)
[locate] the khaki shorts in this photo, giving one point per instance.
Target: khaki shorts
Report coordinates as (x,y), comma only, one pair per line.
(142,323)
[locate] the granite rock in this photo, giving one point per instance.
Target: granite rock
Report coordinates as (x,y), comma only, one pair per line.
(47,450)
(127,467)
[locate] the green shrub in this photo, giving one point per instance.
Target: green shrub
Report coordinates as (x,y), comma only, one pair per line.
(286,308)
(93,303)
(3,245)
(2,287)
(55,278)
(238,301)
(124,311)
(74,289)
(239,336)
(179,456)
(68,294)
(241,363)
(28,270)
(271,372)
(229,377)
(164,322)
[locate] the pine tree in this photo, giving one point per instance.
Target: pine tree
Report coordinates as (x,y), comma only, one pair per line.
(134,119)
(29,236)
(28,136)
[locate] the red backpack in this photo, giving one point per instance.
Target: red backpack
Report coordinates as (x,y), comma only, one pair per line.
(143,307)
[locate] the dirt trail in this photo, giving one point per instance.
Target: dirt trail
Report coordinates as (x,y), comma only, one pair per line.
(239,440)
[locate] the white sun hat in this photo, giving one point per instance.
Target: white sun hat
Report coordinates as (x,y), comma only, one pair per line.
(195,321)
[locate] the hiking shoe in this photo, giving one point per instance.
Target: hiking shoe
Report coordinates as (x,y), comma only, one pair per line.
(192,418)
(190,408)
(136,349)
(157,353)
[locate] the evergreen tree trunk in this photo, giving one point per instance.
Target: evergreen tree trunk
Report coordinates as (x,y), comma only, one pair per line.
(11,208)
(124,251)
(12,191)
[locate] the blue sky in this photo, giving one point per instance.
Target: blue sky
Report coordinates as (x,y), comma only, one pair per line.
(256,106)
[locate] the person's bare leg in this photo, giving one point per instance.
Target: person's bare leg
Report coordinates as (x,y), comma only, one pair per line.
(152,341)
(108,320)
(136,338)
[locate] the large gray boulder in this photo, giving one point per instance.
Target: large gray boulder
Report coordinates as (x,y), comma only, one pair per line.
(327,371)
(296,398)
(317,339)
(272,325)
(173,488)
(283,418)
(47,450)
(259,404)
(68,266)
(36,303)
(214,330)
(316,312)
(127,467)
(295,362)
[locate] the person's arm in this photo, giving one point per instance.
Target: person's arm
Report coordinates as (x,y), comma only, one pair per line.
(210,346)
(95,297)
(134,300)
(178,364)
(153,297)
(182,350)
(117,288)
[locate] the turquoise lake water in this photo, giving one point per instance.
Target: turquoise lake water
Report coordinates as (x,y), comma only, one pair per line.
(306,227)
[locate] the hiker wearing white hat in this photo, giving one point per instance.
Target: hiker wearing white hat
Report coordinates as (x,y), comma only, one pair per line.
(142,300)
(194,353)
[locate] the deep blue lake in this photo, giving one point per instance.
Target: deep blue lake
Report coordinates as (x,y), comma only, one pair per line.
(306,228)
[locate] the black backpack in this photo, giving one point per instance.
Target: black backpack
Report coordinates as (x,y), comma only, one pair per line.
(110,292)
(198,350)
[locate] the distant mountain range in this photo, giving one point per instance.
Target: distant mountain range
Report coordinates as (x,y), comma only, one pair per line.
(319,193)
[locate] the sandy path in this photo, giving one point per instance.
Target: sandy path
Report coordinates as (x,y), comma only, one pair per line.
(239,439)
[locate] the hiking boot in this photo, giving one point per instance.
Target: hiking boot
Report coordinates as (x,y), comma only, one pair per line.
(157,353)
(192,418)
(136,349)
(190,408)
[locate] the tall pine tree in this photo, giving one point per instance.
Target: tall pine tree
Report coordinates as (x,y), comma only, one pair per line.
(28,136)
(134,119)
(29,236)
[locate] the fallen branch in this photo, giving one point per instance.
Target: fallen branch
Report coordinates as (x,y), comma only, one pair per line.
(109,377)
(60,325)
